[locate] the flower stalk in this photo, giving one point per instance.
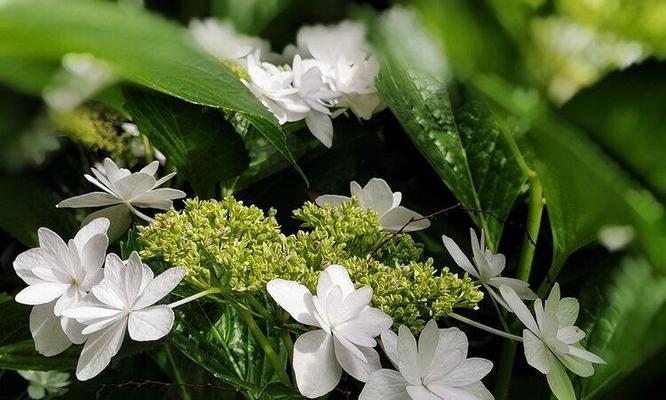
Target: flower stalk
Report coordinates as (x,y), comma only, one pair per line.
(194,297)
(486,328)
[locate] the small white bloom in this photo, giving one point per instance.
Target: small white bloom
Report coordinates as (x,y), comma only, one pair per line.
(346,62)
(42,383)
(616,237)
(222,41)
(126,191)
(551,341)
(310,85)
(273,86)
(137,145)
(123,300)
(348,326)
(438,368)
(378,196)
(59,275)
(487,268)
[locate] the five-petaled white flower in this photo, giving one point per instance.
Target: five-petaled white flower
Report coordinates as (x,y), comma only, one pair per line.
(126,191)
(378,196)
(487,268)
(551,341)
(222,41)
(42,383)
(348,326)
(59,275)
(438,368)
(122,301)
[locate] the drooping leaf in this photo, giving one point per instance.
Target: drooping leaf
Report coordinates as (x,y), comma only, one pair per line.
(139,46)
(456,133)
(624,318)
(197,140)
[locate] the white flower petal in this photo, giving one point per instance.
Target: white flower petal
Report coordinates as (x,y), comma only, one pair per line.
(151,168)
(321,127)
(567,311)
(377,195)
(316,369)
(41,293)
(151,323)
(428,341)
(579,367)
(585,355)
(559,382)
(31,259)
(47,331)
(69,299)
(89,313)
(160,199)
(519,308)
(536,352)
(459,257)
(362,329)
(359,368)
(467,372)
(479,390)
(570,334)
(521,288)
(92,259)
(93,199)
(385,384)
(331,199)
(451,393)
(73,329)
(408,359)
(131,186)
(390,346)
(161,286)
(163,179)
(138,275)
(98,226)
(109,295)
(420,392)
(334,275)
(451,351)
(397,198)
(295,298)
(99,349)
(36,391)
(353,304)
(397,218)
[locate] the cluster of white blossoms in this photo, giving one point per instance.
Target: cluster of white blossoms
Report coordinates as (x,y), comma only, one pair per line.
(329,70)
(81,295)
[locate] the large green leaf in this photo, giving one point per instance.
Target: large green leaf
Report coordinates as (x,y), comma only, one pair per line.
(459,137)
(140,47)
(195,139)
(625,323)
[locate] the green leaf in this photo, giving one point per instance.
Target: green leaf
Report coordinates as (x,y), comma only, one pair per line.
(461,139)
(25,75)
(625,113)
(139,46)
(197,140)
(22,355)
(624,318)
(28,204)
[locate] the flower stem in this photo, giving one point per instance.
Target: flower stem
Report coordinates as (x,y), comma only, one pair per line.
(265,346)
(534,214)
(184,393)
(194,297)
(485,327)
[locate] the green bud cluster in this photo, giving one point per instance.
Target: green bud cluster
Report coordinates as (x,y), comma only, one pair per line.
(93,126)
(228,243)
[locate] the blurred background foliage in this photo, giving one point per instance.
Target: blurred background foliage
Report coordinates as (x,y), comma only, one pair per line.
(577,86)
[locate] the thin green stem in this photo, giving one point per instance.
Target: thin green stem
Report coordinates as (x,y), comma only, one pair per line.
(265,346)
(194,297)
(513,146)
(185,395)
(260,308)
(500,313)
(486,328)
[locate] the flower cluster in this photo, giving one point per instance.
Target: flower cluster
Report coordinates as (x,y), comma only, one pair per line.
(330,69)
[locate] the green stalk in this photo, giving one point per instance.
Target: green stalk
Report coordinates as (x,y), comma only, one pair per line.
(185,395)
(534,214)
(265,346)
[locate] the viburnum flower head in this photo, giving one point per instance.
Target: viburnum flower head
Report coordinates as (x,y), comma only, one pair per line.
(377,195)
(487,268)
(347,328)
(123,300)
(437,368)
(222,41)
(126,191)
(42,383)
(551,341)
(59,276)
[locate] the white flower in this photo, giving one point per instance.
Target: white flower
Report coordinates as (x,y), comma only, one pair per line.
(123,300)
(346,62)
(273,86)
(347,325)
(59,275)
(310,85)
(437,369)
(222,41)
(551,341)
(616,237)
(126,191)
(377,195)
(45,382)
(487,268)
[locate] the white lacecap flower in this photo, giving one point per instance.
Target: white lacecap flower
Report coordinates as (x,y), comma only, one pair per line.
(222,41)
(125,191)
(347,328)
(346,62)
(435,369)
(378,196)
(42,383)
(487,268)
(123,301)
(551,340)
(274,87)
(59,276)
